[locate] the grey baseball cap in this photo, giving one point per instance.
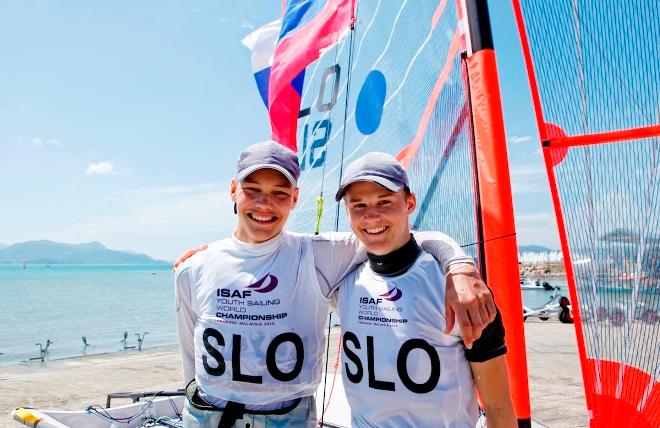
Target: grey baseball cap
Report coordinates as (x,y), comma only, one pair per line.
(268,155)
(375,167)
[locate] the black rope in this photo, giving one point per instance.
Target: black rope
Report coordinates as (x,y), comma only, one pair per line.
(327,360)
(348,87)
(508,235)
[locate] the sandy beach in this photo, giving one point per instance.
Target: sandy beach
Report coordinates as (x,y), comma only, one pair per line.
(554,376)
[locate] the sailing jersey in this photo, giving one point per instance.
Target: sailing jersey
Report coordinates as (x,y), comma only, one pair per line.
(259,313)
(251,316)
(400,369)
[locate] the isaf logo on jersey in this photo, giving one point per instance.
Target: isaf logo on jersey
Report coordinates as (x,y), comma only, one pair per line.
(265,285)
(381,310)
(391,296)
(245,303)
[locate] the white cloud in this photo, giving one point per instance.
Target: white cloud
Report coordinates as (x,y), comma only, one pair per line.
(247,25)
(519,140)
(45,143)
(101,168)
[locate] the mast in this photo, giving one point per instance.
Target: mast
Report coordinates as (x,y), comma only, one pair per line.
(499,248)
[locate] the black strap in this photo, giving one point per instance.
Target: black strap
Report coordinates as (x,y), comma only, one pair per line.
(231,413)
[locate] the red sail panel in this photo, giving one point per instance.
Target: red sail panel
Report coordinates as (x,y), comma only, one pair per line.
(593,70)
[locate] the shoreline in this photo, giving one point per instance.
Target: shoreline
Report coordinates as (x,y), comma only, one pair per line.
(89,355)
(555,380)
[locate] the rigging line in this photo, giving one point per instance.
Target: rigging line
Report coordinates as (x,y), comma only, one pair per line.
(341,162)
(348,88)
(334,377)
(508,235)
(373,66)
(320,200)
(452,47)
(351,69)
(366,31)
(307,88)
(413,146)
(325,375)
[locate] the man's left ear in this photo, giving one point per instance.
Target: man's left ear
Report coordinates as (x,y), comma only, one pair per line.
(233,188)
(411,201)
(295,198)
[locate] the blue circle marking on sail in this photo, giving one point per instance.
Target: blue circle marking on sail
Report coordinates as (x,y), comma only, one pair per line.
(370,102)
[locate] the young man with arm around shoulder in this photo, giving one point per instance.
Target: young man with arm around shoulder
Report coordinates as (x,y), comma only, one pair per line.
(400,369)
(251,309)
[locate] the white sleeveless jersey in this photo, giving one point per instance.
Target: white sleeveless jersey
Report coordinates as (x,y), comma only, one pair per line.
(259,336)
(399,368)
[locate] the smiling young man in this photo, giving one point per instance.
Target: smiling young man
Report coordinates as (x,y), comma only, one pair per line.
(400,369)
(251,308)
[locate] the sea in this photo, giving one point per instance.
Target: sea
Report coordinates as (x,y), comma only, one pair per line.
(64,303)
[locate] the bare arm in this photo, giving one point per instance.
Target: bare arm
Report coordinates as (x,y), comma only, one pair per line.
(492,382)
(186,318)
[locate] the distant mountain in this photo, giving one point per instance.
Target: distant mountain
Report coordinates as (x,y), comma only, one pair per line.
(49,252)
(534,249)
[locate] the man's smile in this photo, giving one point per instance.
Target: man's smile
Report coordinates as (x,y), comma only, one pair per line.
(263,219)
(375,230)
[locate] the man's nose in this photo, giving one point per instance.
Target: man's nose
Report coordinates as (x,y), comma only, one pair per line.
(263,199)
(372,214)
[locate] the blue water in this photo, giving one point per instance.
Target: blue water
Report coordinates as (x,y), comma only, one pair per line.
(65,302)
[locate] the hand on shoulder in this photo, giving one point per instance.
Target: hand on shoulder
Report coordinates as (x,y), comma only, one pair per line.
(187,254)
(469,300)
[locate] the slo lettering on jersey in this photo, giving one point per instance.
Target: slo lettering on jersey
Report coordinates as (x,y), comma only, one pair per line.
(218,368)
(356,375)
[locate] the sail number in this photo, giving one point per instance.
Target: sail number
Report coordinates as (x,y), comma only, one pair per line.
(315,135)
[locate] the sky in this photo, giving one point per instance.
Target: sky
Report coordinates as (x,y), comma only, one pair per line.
(121,122)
